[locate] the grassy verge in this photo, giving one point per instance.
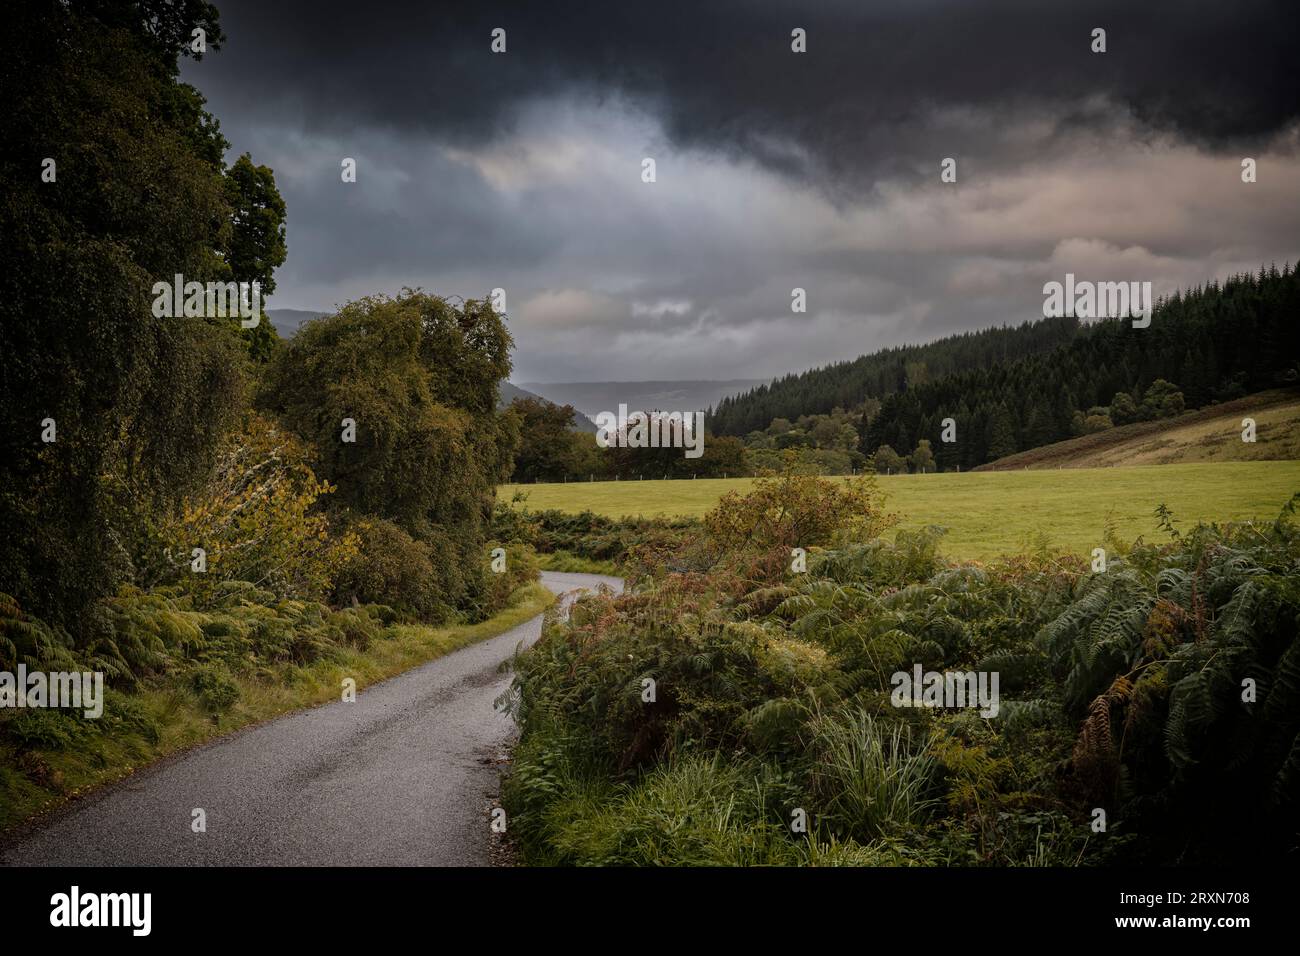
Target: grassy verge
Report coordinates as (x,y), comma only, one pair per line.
(574,564)
(167,717)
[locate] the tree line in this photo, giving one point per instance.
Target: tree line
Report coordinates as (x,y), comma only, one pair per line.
(970,399)
(551,449)
(849,384)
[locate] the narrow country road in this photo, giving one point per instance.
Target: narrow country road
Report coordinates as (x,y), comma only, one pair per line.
(403,776)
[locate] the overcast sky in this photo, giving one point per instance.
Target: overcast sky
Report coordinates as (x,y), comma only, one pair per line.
(774,169)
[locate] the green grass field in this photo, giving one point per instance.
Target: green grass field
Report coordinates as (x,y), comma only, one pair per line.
(992,513)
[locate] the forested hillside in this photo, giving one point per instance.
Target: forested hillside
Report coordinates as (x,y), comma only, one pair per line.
(846,384)
(1011,389)
(1212,343)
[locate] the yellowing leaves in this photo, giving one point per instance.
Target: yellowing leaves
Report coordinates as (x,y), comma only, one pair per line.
(258,519)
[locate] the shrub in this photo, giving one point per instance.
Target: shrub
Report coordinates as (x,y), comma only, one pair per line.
(215,688)
(417,376)
(755,533)
(45,728)
(1190,655)
(24,639)
(392,568)
(590,669)
(520,569)
(1166,690)
(589,535)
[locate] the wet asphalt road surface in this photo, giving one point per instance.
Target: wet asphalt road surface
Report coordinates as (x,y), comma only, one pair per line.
(405,776)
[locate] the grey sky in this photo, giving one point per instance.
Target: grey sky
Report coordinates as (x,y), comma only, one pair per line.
(775,169)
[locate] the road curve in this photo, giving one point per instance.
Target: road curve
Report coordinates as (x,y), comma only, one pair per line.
(404,776)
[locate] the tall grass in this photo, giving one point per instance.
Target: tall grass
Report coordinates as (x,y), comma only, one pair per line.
(873,780)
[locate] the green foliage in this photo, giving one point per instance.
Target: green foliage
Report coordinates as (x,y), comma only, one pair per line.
(418,376)
(1128,689)
(886,461)
(922,457)
(565,562)
(698,810)
(256,247)
(871,779)
(592,670)
(721,456)
(589,536)
(138,636)
(31,641)
(1158,653)
(1161,400)
(215,688)
(45,729)
(391,567)
(794,510)
(140,403)
(258,519)
(549,448)
(1123,410)
(520,569)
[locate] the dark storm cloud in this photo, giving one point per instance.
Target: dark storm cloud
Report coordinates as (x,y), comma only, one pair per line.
(721,75)
(776,170)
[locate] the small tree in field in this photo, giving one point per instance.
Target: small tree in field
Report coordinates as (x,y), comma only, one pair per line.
(923,457)
(888,461)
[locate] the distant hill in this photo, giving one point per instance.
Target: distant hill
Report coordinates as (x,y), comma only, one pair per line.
(591,398)
(286,321)
(1013,389)
(1210,434)
(509,392)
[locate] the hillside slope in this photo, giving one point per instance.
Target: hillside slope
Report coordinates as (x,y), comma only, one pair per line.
(1209,434)
(509,392)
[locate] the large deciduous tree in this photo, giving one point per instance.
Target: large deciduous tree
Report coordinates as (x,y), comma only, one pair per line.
(113,178)
(398,397)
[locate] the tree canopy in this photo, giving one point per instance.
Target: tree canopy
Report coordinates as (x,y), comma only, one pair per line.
(114,178)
